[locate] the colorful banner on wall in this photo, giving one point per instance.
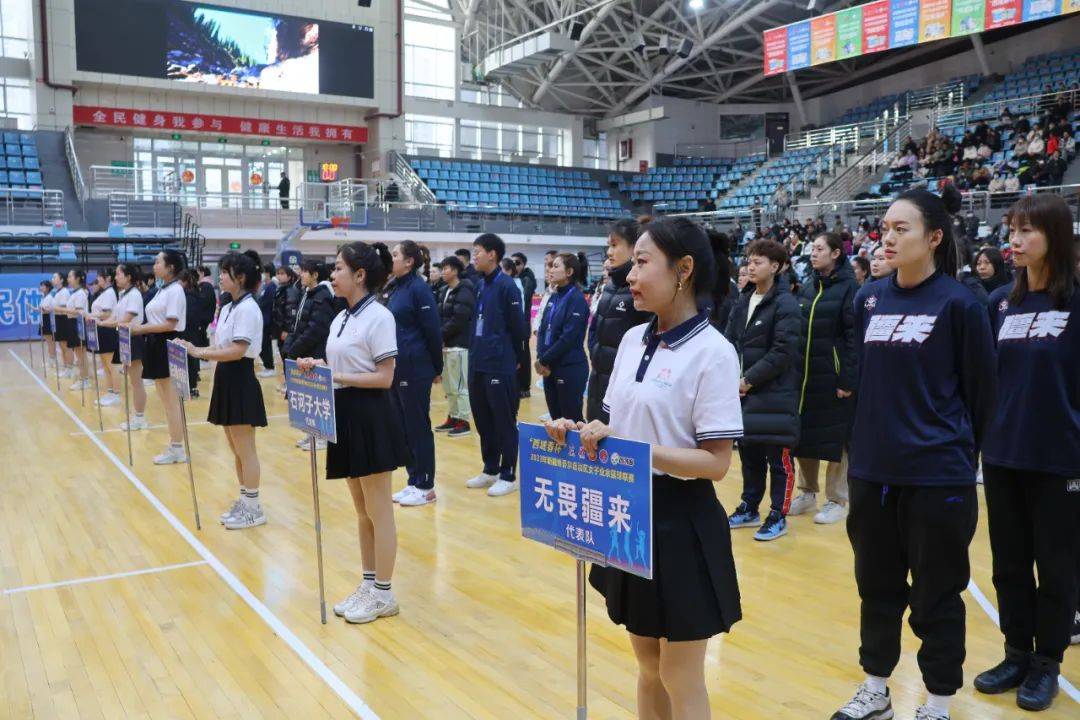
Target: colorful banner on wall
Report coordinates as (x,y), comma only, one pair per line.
(823,39)
(849,33)
(798,42)
(217,124)
(889,24)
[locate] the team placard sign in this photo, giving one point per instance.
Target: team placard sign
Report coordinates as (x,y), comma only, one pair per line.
(597,510)
(178,369)
(80,328)
(124,334)
(311,400)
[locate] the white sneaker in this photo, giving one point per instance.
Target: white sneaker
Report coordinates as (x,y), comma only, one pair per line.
(358,594)
(235,508)
(831,512)
(925,713)
(372,606)
(170,456)
(866,705)
(417,497)
(482,480)
(396,497)
(502,487)
(266,372)
(804,502)
(81,384)
(138,422)
(109,400)
(246,517)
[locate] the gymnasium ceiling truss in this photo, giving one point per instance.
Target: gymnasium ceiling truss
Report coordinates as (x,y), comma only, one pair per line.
(603,76)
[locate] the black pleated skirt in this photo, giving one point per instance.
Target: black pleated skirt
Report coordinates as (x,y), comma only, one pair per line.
(108,341)
(138,348)
(60,332)
(694,593)
(46,324)
(237,398)
(156,355)
(370,435)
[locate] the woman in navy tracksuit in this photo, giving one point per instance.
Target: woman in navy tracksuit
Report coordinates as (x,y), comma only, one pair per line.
(560,341)
(419,339)
(1031,458)
(926,393)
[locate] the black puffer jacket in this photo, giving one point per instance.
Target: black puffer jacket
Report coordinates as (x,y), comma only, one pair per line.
(615,314)
(313,318)
(768,350)
(456,310)
(830,363)
(286,301)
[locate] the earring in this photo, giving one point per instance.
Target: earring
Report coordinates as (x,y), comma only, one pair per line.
(678,287)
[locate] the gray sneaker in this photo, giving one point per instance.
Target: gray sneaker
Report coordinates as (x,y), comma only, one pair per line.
(866,705)
(372,606)
(235,508)
(246,517)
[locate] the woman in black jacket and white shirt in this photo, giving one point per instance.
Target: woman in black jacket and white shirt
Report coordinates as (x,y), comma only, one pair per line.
(314,314)
(830,373)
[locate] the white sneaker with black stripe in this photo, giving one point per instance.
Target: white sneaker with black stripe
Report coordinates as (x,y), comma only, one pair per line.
(357,595)
(237,504)
(246,517)
(372,606)
(866,705)
(925,713)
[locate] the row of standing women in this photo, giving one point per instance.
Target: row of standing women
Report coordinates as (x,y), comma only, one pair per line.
(934,381)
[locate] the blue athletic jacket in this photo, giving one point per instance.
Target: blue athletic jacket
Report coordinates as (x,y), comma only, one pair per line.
(419,332)
(560,341)
(499,326)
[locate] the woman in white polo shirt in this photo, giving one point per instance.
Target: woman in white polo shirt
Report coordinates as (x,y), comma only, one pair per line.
(362,350)
(129,311)
(675,385)
(78,302)
(101,309)
(165,320)
(65,328)
(48,291)
(237,401)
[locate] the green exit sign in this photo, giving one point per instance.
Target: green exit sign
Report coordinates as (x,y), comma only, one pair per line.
(176,136)
(234,246)
(266,143)
(223,140)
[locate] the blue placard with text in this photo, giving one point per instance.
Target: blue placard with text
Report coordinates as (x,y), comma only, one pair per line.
(20,297)
(124,334)
(80,328)
(311,400)
(597,510)
(178,368)
(91,335)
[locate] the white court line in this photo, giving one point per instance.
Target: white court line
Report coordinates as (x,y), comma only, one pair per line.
(317,666)
(159,426)
(990,610)
(100,578)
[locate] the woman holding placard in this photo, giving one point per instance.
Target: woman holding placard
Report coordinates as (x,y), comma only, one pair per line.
(128,312)
(102,309)
(65,328)
(165,320)
(237,401)
(361,351)
(77,304)
(674,385)
(48,290)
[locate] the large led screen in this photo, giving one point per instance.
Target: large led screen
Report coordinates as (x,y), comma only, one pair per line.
(211,45)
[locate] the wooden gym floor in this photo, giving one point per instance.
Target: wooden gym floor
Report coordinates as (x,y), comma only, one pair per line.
(114,606)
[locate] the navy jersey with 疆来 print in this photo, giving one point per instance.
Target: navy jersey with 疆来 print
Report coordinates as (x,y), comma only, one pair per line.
(1037,422)
(926,382)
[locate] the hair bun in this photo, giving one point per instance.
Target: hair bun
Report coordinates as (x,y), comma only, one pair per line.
(952,198)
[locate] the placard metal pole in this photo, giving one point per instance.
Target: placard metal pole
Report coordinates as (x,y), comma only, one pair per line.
(97,393)
(126,370)
(318,525)
(582,656)
(190,470)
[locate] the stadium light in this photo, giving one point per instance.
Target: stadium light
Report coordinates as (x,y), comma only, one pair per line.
(697,5)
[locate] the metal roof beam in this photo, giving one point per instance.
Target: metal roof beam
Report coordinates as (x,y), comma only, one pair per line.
(567,57)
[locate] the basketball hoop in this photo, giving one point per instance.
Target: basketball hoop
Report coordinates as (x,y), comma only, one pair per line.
(339,221)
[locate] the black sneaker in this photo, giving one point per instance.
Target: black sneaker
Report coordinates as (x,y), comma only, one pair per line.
(744,517)
(447,426)
(866,705)
(526,394)
(461,429)
(775,526)
(1006,675)
(1040,686)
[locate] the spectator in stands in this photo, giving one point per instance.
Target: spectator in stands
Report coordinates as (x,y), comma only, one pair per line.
(765,328)
(990,268)
(456,311)
(615,314)
(1055,169)
(1036,143)
(1068,143)
(830,378)
(267,291)
(861,266)
(284,188)
(980,178)
(1053,143)
(393,192)
(1006,119)
(1012,183)
(997,184)
(314,313)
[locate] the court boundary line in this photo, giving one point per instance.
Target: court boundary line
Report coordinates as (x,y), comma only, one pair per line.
(991,611)
(162,426)
(102,578)
(343,691)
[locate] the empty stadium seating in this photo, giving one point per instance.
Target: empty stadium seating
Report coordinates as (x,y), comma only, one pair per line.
(1039,74)
(20,170)
(786,170)
(683,186)
(875,108)
(504,189)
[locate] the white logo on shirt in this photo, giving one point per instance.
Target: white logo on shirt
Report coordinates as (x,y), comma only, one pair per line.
(621,305)
(1003,306)
(871,302)
(1033,325)
(899,328)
